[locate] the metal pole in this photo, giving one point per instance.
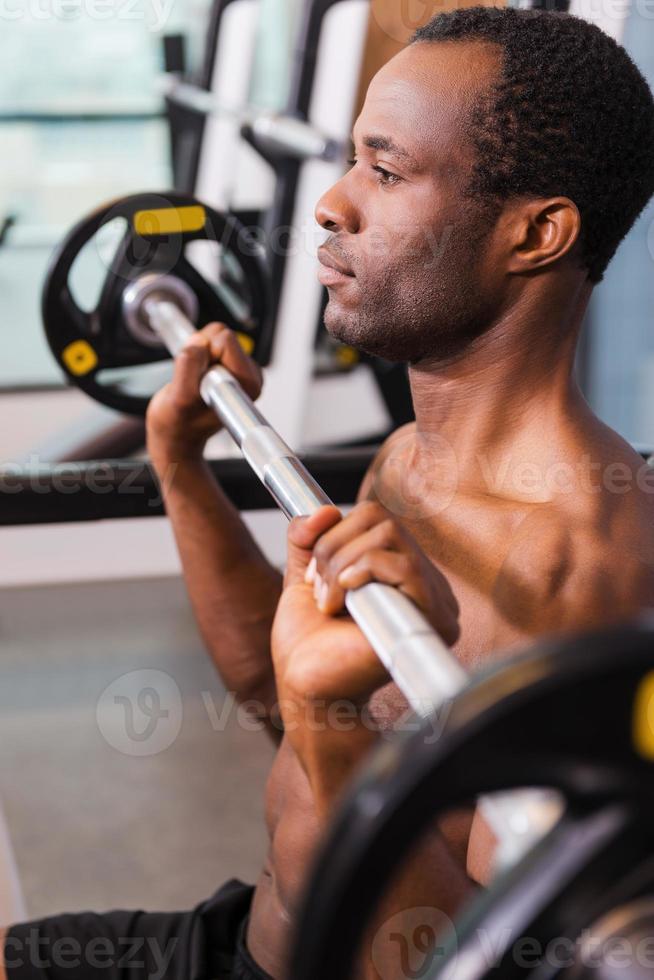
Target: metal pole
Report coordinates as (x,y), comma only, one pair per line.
(274,131)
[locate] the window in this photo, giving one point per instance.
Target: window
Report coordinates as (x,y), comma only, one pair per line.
(620,357)
(80,123)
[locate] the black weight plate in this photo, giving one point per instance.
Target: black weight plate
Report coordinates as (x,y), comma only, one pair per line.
(575,715)
(94,346)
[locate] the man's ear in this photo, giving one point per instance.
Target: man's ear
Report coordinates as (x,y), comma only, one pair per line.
(542,232)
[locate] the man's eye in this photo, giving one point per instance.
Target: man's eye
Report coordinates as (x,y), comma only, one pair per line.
(385,176)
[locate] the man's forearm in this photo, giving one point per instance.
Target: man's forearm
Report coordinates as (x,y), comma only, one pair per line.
(233,589)
(331,750)
(428,888)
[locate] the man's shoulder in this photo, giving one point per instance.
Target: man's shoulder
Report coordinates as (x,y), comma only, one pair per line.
(587,562)
(610,517)
(392,443)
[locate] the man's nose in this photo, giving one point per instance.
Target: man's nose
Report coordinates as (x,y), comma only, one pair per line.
(336,212)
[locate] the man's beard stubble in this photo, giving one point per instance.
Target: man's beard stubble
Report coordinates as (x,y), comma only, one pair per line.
(427,306)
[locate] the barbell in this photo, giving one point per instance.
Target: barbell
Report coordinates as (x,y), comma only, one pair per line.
(150,306)
(108,350)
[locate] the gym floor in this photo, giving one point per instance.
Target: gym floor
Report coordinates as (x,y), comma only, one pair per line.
(93,827)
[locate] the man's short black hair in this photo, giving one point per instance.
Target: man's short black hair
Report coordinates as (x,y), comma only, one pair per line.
(571,115)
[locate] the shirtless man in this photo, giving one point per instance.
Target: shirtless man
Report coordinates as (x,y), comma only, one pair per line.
(500,159)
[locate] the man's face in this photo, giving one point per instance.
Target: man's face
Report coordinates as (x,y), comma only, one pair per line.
(415,246)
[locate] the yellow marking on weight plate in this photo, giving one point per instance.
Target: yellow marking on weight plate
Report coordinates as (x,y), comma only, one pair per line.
(170,221)
(346,356)
(644,717)
(79,357)
(247,343)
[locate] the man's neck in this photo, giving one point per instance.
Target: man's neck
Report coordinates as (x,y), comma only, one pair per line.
(512,394)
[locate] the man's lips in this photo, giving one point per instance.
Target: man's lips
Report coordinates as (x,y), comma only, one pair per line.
(332,271)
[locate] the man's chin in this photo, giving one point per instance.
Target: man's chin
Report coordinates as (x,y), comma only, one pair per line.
(339,323)
(371,339)
(368,341)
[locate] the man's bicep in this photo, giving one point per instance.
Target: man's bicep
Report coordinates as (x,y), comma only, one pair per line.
(3,933)
(416,913)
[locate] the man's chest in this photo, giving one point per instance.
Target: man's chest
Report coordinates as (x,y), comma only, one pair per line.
(473,552)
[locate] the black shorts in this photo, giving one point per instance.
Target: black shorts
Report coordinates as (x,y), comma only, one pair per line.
(207,943)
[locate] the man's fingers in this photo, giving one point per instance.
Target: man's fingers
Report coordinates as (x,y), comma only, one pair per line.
(387,567)
(303,532)
(213,344)
(191,364)
(359,521)
(227,350)
(329,591)
(399,570)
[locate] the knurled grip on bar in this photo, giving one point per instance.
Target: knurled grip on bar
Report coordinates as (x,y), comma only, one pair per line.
(419,662)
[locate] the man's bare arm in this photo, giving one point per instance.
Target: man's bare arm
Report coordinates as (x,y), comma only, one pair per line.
(3,936)
(324,665)
(233,588)
(430,886)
